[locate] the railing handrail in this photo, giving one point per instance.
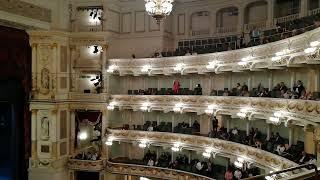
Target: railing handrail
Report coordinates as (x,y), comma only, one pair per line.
(235,144)
(161,168)
(286,170)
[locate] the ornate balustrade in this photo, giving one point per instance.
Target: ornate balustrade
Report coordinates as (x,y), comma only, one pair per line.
(301,112)
(224,30)
(148,171)
(291,52)
(286,18)
(314,12)
(88,96)
(257,25)
(221,147)
(86,165)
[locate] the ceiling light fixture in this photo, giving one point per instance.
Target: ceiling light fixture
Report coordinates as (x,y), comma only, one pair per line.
(111,68)
(158,9)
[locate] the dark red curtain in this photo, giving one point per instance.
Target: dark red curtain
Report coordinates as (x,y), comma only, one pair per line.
(15,64)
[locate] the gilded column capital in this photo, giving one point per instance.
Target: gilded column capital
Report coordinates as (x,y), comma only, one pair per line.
(72,47)
(105,47)
(34,45)
(34,110)
(309,128)
(54,45)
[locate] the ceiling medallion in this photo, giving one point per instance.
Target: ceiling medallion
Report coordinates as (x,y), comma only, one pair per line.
(159,9)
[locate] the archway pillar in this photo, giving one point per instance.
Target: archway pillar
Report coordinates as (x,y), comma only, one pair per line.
(270,21)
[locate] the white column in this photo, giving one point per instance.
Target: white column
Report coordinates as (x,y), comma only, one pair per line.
(172,155)
(247,127)
(73,76)
(190,121)
(55,59)
(157,152)
(270,81)
(34,117)
(172,120)
(72,130)
(190,83)
(270,13)
(230,82)
(240,19)
(53,133)
(213,17)
(303,8)
(250,81)
(34,67)
(292,79)
(188,25)
(268,131)
(103,69)
(291,134)
(189,157)
(158,83)
(228,124)
(316,80)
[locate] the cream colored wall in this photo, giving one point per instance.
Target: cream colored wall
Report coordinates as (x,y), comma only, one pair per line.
(59,12)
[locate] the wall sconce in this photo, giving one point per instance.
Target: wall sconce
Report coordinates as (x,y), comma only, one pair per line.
(179,67)
(111,68)
(176,147)
(145,68)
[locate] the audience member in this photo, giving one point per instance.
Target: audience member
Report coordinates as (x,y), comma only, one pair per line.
(188,53)
(237,174)
(228,175)
(198,90)
(303,158)
(298,88)
(176,87)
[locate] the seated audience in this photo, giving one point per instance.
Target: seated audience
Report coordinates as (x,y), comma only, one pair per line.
(237,174)
(228,175)
(199,166)
(280,149)
(283,87)
(303,158)
(188,53)
(198,90)
(298,88)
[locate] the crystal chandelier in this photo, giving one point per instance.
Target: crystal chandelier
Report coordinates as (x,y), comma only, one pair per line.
(159,9)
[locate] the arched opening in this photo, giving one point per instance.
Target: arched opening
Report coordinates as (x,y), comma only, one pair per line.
(200,23)
(256,12)
(256,15)
(227,20)
(286,7)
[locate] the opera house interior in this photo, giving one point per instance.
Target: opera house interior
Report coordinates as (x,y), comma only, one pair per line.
(159,89)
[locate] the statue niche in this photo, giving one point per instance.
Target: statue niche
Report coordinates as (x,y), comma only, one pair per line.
(45,128)
(45,81)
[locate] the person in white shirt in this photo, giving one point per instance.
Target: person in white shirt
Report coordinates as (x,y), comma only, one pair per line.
(188,53)
(237,174)
(150,128)
(150,162)
(280,149)
(234,131)
(199,166)
(312,160)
